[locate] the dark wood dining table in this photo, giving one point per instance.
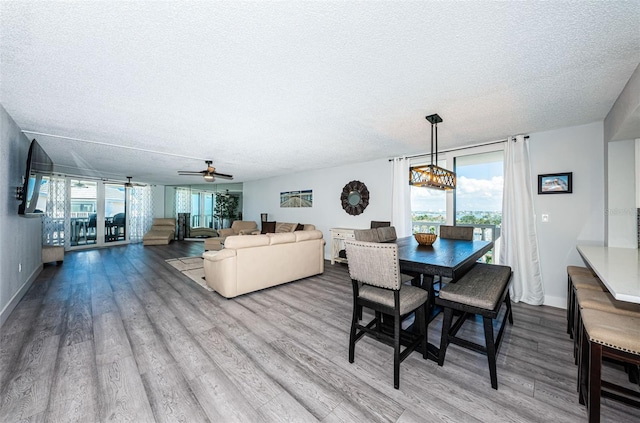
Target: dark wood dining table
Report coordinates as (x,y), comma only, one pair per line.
(450,258)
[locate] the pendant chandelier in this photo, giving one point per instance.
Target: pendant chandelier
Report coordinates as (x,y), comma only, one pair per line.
(432,175)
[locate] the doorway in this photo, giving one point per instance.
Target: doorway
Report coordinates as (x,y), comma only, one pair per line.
(97,213)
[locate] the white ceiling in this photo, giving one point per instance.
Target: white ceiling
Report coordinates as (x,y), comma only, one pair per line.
(268,88)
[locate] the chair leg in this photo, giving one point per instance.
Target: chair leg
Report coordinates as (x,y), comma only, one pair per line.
(491,350)
(422,316)
(352,336)
(569,309)
(507,300)
(396,351)
(595,383)
(444,338)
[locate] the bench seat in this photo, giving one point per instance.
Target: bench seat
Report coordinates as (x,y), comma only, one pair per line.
(480,291)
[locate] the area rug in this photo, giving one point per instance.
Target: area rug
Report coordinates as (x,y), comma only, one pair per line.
(191,267)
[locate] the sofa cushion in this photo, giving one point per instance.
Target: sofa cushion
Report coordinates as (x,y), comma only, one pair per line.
(307,235)
(281,238)
(240,241)
(285,227)
(268,227)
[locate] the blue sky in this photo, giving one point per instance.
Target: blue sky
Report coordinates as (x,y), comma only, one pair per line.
(479,188)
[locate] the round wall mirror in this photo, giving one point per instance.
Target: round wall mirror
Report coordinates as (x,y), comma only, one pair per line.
(355,197)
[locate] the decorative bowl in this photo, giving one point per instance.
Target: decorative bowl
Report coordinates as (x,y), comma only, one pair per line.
(424,238)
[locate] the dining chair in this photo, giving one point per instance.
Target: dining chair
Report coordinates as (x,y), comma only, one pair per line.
(456,232)
(377,285)
(379,224)
(464,233)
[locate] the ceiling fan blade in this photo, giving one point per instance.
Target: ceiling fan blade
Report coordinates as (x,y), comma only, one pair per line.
(223,175)
(188,172)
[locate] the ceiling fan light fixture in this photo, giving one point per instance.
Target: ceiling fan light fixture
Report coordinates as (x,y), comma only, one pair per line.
(209,178)
(432,175)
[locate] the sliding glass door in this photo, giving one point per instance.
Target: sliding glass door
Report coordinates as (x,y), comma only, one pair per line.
(97,213)
(476,201)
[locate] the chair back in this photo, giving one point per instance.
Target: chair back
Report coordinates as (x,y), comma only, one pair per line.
(368,235)
(456,232)
(379,224)
(118,219)
(374,263)
(387,234)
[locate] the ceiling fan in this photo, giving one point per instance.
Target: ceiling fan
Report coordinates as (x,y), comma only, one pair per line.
(209,174)
(130,184)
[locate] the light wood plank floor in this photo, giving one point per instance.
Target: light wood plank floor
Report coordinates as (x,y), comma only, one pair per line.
(118,335)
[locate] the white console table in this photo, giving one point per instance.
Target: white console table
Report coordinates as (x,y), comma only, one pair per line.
(337,236)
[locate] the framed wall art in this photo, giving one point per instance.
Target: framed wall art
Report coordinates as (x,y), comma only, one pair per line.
(555,183)
(303,198)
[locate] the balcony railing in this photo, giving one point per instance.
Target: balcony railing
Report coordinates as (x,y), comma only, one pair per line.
(480,233)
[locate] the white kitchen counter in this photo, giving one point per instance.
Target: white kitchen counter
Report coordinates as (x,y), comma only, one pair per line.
(617,268)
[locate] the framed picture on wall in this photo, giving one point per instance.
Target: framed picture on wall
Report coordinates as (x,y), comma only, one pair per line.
(555,183)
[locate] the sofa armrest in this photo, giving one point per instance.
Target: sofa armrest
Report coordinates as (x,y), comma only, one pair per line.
(218,255)
(226,232)
(249,232)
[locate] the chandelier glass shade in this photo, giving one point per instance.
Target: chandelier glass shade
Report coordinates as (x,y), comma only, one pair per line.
(432,175)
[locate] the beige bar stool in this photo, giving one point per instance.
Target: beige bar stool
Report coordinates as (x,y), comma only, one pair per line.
(609,335)
(579,280)
(571,272)
(598,300)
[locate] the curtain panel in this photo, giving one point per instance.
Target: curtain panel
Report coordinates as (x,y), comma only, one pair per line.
(519,243)
(401,198)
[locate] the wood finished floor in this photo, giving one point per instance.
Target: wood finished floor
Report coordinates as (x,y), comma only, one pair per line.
(118,335)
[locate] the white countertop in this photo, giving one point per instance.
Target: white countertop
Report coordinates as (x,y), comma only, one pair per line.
(617,268)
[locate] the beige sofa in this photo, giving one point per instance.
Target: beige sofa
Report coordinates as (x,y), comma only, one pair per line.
(251,263)
(238,227)
(161,233)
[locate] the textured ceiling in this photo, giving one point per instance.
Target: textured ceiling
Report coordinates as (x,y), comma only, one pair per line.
(268,88)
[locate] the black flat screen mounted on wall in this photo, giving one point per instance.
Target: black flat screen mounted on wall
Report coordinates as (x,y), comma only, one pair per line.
(39,165)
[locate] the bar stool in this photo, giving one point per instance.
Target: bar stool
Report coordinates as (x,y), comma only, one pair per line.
(579,280)
(571,272)
(598,300)
(606,335)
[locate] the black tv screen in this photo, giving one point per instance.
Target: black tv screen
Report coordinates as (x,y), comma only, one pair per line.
(39,171)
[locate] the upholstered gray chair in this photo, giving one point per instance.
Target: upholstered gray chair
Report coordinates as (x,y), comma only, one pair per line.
(377,285)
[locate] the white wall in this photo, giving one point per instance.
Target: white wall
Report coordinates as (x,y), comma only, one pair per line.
(158,201)
(20,237)
(263,196)
(621,210)
(573,218)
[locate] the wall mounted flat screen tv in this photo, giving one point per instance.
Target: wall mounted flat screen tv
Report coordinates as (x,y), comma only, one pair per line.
(38,174)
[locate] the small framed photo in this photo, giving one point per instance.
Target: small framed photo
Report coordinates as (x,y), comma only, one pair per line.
(555,183)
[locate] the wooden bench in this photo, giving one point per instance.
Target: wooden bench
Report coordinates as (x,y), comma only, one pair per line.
(480,291)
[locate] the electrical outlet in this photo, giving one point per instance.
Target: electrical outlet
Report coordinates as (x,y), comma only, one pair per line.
(545,218)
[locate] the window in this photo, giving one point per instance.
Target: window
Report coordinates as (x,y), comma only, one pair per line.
(477,199)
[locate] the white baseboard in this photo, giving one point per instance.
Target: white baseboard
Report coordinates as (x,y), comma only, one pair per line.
(558,302)
(6,311)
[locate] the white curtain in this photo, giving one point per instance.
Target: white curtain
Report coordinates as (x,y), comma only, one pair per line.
(183,201)
(401,198)
(140,212)
(519,243)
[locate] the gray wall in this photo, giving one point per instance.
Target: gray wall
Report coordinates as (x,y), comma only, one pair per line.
(20,237)
(577,218)
(574,218)
(621,208)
